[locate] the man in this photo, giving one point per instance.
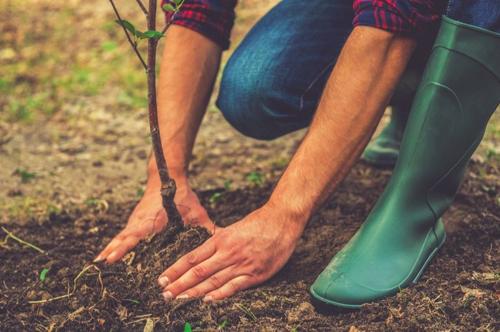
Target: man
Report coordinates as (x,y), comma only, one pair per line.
(279,79)
(460,90)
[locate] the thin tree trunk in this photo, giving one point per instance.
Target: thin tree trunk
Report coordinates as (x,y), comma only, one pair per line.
(168,186)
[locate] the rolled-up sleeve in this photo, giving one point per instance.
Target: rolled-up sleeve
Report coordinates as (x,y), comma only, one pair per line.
(212,18)
(410,17)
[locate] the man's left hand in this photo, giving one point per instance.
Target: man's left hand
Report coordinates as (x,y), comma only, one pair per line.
(237,257)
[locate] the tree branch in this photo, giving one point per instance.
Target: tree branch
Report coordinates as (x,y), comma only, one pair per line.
(169,23)
(134,45)
(144,10)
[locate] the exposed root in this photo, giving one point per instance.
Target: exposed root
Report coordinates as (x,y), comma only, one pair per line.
(14,237)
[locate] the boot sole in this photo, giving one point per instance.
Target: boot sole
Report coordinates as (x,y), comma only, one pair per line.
(415,280)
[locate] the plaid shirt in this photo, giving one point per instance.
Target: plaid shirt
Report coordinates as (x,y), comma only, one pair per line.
(214,18)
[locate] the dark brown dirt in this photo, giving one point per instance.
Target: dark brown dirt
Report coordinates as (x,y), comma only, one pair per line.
(459,291)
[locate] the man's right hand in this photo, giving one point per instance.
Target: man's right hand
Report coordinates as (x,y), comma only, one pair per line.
(149,218)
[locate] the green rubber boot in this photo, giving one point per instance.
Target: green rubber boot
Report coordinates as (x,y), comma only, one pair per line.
(458,94)
(383,151)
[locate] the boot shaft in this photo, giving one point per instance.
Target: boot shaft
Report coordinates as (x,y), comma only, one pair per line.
(459,92)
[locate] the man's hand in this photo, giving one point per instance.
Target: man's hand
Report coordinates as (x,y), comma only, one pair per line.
(149,218)
(255,248)
(242,255)
(188,70)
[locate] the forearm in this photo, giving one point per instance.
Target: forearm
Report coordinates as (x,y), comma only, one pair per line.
(353,101)
(188,70)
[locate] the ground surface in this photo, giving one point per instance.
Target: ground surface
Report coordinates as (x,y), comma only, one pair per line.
(73,147)
(73,131)
(459,291)
(84,106)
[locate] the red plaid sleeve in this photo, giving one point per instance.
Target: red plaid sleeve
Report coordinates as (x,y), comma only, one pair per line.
(413,17)
(212,18)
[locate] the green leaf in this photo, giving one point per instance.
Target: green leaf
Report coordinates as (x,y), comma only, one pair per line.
(129,26)
(222,325)
(255,178)
(43,274)
(215,197)
(150,34)
(227,184)
(24,174)
(187,327)
(169,8)
(133,301)
(178,2)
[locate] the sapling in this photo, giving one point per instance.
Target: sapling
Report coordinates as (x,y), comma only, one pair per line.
(134,37)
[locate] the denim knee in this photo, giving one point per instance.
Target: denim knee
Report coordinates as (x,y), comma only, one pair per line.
(272,84)
(481,13)
(245,99)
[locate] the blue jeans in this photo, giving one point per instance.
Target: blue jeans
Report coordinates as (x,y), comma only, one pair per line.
(273,81)
(481,13)
(272,84)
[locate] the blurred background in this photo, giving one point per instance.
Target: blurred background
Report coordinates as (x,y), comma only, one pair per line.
(73,122)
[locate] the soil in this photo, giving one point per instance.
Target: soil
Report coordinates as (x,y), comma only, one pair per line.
(459,291)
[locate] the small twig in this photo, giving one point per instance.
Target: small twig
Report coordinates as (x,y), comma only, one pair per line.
(142,319)
(50,300)
(167,26)
(3,244)
(247,311)
(144,316)
(144,10)
(82,272)
(134,45)
(170,21)
(11,235)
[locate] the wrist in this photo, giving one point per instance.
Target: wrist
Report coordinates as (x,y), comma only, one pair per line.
(154,182)
(176,172)
(292,204)
(294,220)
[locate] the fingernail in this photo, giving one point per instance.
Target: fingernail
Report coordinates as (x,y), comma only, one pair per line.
(112,256)
(208,299)
(163,281)
(167,296)
(98,259)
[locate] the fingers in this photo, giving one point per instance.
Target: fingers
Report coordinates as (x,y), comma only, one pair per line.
(125,246)
(212,283)
(212,271)
(117,248)
(196,216)
(186,262)
(109,248)
(229,288)
(131,235)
